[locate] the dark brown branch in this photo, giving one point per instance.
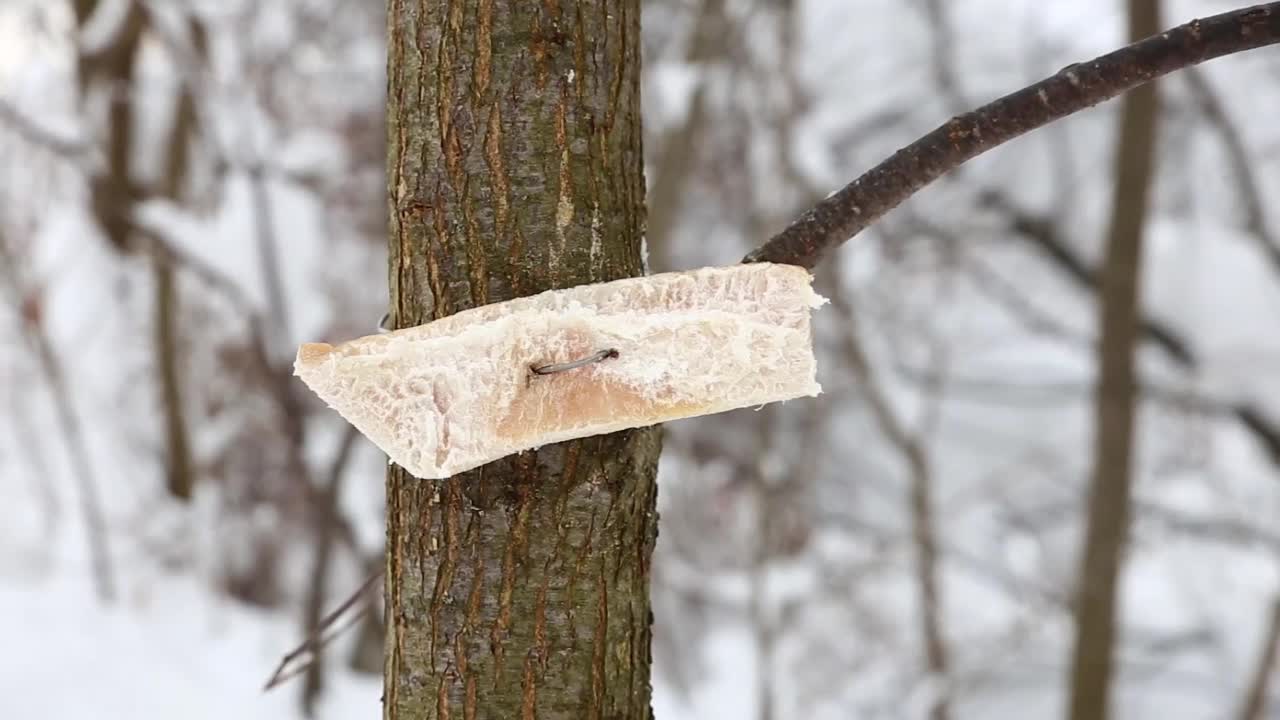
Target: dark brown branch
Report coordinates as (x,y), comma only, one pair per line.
(277,314)
(677,154)
(1072,89)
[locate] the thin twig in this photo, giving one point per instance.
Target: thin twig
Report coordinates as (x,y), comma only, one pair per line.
(319,638)
(29,130)
(72,434)
(851,209)
(269,259)
(325,522)
(1042,233)
(920,473)
(1241,166)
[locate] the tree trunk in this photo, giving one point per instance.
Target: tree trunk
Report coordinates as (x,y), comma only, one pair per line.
(519,589)
(1098,583)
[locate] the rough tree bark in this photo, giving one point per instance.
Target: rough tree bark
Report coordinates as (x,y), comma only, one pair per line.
(1116,396)
(519,589)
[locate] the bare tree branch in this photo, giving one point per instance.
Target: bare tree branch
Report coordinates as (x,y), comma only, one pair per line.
(72,432)
(277,315)
(923,526)
(325,533)
(297,660)
(1116,399)
(1255,701)
(30,130)
(1241,166)
(674,163)
(851,209)
(1041,232)
(942,50)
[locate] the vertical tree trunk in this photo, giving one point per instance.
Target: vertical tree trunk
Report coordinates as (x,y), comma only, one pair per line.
(179,465)
(1255,702)
(519,589)
(114,192)
(1106,536)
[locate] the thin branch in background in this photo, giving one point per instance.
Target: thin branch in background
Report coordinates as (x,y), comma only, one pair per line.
(851,209)
(233,293)
(1110,491)
(1053,393)
(1241,164)
(1255,702)
(297,660)
(1042,233)
(676,159)
(923,526)
(110,69)
(70,429)
(325,534)
(179,468)
(31,131)
(1215,529)
(990,282)
(763,626)
(269,259)
(27,437)
(942,55)
(367,647)
(330,523)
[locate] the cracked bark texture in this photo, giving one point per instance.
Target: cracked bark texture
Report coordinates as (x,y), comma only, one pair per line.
(519,589)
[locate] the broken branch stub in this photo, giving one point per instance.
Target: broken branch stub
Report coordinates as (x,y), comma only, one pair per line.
(470,388)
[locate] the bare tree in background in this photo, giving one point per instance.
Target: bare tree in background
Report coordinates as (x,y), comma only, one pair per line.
(1106,535)
(29,299)
(215,358)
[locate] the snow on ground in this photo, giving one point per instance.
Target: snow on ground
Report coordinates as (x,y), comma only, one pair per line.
(168,650)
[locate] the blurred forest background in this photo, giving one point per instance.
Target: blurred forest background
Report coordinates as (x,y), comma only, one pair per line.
(191,188)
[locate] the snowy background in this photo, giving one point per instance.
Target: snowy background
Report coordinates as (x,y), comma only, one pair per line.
(787,580)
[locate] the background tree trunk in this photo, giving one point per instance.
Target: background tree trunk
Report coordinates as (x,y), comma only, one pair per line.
(515,166)
(1106,536)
